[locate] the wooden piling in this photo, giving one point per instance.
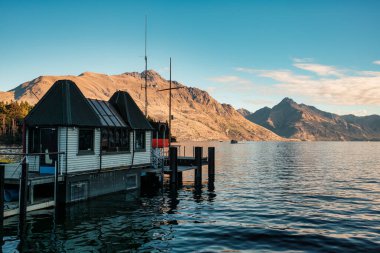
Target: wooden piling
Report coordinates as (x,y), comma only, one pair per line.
(211,163)
(23,197)
(198,162)
(173,164)
(60,203)
(1,204)
(179,178)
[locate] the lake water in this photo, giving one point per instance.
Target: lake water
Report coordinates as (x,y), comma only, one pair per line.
(267,196)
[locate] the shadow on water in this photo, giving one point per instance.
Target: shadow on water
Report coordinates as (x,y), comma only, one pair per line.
(116,222)
(310,197)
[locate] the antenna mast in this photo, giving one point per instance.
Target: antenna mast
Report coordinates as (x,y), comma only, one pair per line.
(170,103)
(146,72)
(170,100)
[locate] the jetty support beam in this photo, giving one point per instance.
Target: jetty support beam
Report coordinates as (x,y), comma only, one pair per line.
(198,162)
(1,204)
(173,164)
(23,197)
(179,178)
(211,163)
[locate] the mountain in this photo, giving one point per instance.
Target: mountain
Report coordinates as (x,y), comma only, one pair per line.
(243,112)
(299,121)
(197,116)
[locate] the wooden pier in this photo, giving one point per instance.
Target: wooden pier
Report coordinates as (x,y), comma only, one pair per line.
(173,165)
(177,165)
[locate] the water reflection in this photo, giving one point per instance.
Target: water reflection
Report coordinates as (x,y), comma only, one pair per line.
(322,197)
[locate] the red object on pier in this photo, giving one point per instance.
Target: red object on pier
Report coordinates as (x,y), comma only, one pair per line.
(160,143)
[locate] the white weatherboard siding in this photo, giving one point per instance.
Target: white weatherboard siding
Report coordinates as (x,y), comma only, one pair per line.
(78,163)
(62,148)
(144,157)
(116,160)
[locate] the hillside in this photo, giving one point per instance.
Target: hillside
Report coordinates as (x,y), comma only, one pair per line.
(197,116)
(299,121)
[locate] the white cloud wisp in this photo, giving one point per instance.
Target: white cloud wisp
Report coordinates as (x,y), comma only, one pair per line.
(331,85)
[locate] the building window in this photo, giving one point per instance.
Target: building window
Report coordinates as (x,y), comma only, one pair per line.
(140,140)
(105,142)
(115,140)
(86,140)
(124,140)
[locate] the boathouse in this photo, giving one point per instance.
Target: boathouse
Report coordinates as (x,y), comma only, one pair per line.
(97,147)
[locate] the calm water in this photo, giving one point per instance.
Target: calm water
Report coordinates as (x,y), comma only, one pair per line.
(318,196)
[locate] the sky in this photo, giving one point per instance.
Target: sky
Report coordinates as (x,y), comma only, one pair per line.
(249,54)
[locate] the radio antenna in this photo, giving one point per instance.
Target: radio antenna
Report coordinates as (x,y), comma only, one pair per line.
(146,71)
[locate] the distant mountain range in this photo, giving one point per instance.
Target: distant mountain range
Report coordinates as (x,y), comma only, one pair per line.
(299,121)
(197,116)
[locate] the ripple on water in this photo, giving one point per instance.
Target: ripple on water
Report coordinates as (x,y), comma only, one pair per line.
(292,197)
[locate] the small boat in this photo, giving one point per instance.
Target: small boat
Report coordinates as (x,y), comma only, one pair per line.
(234,141)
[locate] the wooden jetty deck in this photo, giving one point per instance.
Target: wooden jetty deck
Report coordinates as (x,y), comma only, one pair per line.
(176,165)
(184,163)
(172,165)
(13,208)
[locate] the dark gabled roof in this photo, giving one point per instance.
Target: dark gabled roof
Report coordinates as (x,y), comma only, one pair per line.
(63,105)
(107,114)
(129,111)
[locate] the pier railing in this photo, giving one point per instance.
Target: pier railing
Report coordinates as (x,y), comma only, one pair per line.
(19,174)
(42,163)
(158,158)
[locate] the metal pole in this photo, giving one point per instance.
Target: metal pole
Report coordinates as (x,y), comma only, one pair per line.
(170,104)
(55,184)
(146,72)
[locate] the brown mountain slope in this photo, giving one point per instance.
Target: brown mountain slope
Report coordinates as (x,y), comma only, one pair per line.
(299,121)
(197,115)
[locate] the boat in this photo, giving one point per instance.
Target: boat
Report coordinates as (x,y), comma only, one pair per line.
(234,141)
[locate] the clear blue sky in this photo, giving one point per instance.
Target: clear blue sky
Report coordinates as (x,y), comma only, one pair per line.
(246,53)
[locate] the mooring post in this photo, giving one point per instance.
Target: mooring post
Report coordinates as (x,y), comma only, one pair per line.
(198,162)
(55,184)
(179,178)
(173,165)
(1,204)
(60,208)
(211,163)
(23,197)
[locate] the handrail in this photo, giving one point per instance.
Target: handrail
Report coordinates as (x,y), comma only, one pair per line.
(25,154)
(157,159)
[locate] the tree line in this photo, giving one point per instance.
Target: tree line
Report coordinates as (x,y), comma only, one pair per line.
(11,117)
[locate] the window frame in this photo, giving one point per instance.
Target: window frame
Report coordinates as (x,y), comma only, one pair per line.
(143,148)
(88,151)
(118,140)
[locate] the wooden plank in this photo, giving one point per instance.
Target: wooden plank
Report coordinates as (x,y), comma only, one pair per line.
(30,208)
(180,169)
